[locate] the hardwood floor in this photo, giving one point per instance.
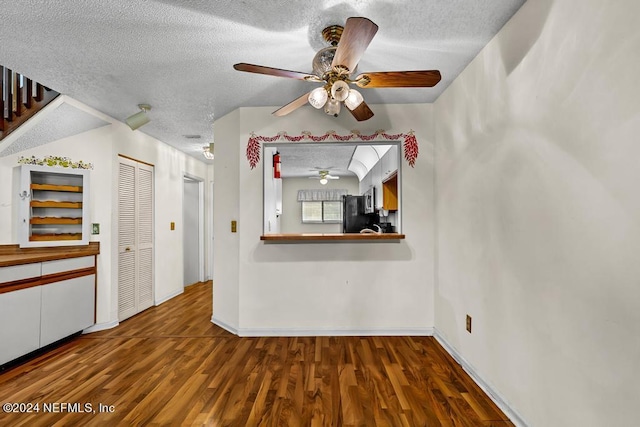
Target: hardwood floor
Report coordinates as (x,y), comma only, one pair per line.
(171,366)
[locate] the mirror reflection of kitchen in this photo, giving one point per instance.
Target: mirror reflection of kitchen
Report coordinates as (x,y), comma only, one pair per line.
(332,188)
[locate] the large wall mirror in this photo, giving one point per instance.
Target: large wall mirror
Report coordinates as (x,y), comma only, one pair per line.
(332,188)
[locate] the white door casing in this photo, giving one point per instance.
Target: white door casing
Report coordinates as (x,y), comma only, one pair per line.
(135,238)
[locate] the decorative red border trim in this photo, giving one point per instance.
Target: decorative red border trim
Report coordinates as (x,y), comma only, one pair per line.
(410,142)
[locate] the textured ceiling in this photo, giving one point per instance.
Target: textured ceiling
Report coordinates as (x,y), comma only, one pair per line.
(178,55)
(60,121)
(304,159)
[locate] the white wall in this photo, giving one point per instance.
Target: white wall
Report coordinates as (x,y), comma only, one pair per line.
(101,147)
(291,218)
(226,209)
(537,207)
(321,288)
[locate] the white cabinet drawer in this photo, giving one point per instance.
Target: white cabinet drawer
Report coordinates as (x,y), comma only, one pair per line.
(19,272)
(69,264)
(19,323)
(67,308)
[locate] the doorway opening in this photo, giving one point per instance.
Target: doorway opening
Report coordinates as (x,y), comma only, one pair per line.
(193,230)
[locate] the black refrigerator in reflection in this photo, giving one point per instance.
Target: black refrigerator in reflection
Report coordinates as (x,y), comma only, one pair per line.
(353,217)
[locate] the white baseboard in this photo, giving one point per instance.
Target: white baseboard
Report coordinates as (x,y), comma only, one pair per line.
(168,297)
(299,332)
(493,394)
(101,326)
(224,326)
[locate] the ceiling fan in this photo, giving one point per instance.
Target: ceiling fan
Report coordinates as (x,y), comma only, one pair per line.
(324,176)
(334,65)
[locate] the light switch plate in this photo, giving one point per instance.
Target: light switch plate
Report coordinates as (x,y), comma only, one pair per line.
(95,228)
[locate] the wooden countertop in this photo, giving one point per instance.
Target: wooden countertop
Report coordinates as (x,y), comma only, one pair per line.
(14,255)
(335,237)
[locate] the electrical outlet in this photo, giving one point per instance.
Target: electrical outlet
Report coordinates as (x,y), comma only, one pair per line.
(468,323)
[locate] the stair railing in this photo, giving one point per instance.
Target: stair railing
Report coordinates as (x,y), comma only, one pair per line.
(20,99)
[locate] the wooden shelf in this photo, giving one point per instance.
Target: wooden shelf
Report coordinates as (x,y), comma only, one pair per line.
(55,220)
(53,237)
(52,204)
(52,187)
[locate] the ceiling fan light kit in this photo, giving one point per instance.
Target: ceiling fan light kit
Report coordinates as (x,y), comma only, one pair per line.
(324,176)
(339,90)
(332,107)
(318,97)
(353,100)
(334,65)
(207,151)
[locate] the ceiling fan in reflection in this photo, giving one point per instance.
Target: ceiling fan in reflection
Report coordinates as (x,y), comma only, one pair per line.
(324,176)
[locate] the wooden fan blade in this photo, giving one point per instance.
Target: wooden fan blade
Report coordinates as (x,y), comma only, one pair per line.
(356,36)
(293,105)
(362,112)
(260,69)
(424,78)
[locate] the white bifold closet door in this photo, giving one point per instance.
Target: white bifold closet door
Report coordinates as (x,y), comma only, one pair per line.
(135,237)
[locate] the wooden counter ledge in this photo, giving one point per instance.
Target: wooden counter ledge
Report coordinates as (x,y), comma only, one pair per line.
(13,255)
(330,237)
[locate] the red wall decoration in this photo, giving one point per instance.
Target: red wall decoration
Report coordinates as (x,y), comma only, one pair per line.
(410,145)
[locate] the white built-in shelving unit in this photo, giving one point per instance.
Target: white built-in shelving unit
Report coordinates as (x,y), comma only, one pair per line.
(53,206)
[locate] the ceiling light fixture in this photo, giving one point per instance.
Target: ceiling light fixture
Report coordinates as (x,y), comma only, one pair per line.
(323,181)
(336,91)
(332,107)
(318,97)
(353,100)
(140,118)
(339,90)
(207,151)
